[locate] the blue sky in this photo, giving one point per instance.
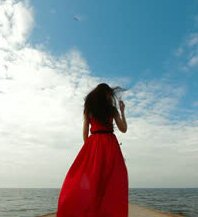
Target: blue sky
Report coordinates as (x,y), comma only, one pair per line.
(136,35)
(132,39)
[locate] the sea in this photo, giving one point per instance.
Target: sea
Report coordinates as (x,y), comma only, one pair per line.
(32,202)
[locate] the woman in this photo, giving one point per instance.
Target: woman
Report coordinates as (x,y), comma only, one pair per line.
(96,184)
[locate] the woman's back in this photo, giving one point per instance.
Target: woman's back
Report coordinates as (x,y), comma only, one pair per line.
(97,126)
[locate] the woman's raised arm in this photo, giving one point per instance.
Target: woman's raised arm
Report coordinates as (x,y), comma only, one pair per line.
(121,120)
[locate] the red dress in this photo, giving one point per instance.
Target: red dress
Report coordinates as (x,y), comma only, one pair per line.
(96,184)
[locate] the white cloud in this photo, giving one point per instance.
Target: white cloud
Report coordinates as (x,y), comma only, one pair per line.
(41,116)
(154,97)
(193,40)
(16,22)
(188,52)
(41,99)
(193,61)
(159,148)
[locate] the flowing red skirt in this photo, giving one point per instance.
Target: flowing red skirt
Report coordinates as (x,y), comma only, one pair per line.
(96,184)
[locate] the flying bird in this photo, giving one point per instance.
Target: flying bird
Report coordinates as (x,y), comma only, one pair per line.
(76,18)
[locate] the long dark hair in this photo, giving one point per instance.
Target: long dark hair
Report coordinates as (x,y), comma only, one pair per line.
(101,104)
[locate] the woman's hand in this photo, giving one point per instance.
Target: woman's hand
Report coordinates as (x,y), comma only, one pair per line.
(122,106)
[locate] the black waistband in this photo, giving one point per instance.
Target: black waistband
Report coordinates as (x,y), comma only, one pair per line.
(102,131)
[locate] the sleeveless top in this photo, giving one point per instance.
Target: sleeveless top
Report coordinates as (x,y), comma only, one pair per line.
(97,126)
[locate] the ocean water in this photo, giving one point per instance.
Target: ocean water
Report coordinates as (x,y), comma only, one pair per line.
(31,202)
(175,200)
